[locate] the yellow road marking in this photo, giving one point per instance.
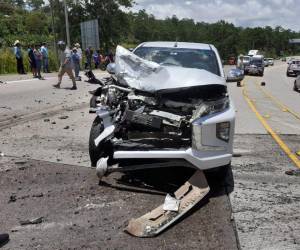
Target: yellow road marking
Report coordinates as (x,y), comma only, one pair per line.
(283,107)
(275,136)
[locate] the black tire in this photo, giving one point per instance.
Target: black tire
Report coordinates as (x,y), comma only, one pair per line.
(288,74)
(96,152)
(295,87)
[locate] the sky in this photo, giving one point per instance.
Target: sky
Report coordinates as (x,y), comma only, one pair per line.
(250,13)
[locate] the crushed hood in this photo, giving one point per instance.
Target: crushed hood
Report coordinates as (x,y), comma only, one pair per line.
(148,76)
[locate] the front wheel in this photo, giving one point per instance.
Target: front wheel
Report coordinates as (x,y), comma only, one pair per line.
(96,152)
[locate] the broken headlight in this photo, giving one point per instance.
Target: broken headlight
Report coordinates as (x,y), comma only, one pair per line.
(210,108)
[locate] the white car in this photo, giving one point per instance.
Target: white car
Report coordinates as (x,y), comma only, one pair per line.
(297,84)
(271,61)
(167,105)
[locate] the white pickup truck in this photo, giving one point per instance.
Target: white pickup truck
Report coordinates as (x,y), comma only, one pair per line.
(168,105)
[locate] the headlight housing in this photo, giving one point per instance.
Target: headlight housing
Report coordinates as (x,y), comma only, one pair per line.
(210,108)
(223,131)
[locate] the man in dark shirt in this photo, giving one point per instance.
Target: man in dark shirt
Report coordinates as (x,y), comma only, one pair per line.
(31,60)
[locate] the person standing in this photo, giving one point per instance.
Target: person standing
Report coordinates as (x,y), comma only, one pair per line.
(31,59)
(44,51)
(79,52)
(96,58)
(19,57)
(65,64)
(76,63)
(38,60)
(88,56)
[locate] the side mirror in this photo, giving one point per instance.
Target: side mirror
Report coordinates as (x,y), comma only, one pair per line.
(235,75)
(111,68)
(131,49)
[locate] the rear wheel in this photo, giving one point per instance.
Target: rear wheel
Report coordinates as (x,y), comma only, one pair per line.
(96,152)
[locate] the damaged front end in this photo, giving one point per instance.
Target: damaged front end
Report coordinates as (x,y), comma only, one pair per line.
(191,121)
(153,116)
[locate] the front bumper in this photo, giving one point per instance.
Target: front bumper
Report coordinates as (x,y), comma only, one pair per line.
(294,71)
(213,152)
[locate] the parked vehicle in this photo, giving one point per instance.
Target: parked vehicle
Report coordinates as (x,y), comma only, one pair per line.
(254,52)
(246,60)
(255,67)
(293,68)
(271,61)
(166,104)
(297,84)
(266,62)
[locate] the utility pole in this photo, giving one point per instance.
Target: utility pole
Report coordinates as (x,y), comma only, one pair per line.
(67,25)
(53,29)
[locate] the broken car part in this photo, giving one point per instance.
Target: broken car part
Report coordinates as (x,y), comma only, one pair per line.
(154,222)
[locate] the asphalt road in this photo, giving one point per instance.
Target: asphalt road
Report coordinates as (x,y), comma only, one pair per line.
(44,135)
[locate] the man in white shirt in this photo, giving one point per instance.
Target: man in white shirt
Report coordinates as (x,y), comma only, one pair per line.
(66,65)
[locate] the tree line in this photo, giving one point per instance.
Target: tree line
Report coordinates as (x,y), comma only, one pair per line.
(37,21)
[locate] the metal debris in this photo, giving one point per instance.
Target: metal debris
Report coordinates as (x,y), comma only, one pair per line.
(158,219)
(63,117)
(32,222)
(171,204)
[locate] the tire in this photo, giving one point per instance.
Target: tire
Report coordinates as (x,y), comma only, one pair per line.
(288,74)
(295,87)
(96,152)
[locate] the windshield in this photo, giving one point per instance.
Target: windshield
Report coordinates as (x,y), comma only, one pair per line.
(186,58)
(246,59)
(257,62)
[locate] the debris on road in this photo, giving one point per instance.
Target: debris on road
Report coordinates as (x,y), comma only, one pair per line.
(12,198)
(294,172)
(32,222)
(154,222)
(20,162)
(63,117)
(171,204)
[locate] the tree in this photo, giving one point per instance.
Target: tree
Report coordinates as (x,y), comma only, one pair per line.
(35,4)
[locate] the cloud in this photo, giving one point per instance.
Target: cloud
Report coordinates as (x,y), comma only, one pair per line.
(249,13)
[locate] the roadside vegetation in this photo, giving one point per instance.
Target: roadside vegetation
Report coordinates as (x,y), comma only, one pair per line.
(31,22)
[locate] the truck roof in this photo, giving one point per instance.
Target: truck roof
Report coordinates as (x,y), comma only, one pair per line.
(175,44)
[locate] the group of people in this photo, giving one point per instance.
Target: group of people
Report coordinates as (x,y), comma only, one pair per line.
(38,57)
(97,58)
(70,59)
